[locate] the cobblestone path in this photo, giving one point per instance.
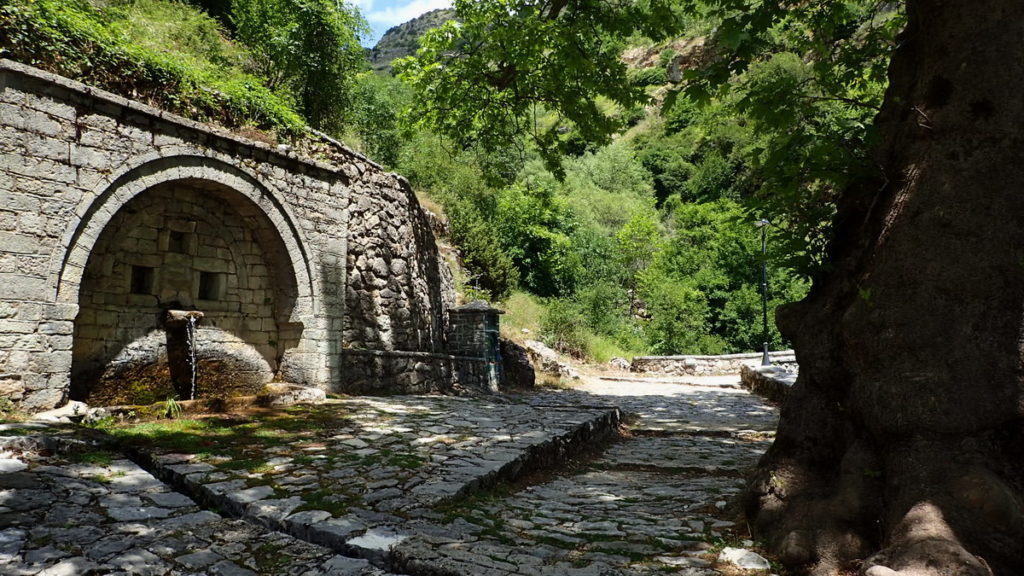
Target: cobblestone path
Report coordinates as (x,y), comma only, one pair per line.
(652,503)
(392,486)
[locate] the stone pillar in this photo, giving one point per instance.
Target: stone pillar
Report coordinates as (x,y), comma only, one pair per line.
(180,326)
(473,332)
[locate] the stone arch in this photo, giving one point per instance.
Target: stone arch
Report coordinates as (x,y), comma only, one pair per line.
(280,254)
(94,213)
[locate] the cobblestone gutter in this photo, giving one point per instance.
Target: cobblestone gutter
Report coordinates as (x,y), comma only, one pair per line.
(392,510)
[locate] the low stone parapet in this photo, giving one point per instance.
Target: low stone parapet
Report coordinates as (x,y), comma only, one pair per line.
(771,382)
(388,372)
(707,365)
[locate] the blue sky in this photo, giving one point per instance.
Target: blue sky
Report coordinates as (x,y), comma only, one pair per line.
(383,14)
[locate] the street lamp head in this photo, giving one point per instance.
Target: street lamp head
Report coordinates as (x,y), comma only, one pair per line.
(762,222)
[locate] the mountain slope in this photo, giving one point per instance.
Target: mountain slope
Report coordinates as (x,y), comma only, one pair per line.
(403,40)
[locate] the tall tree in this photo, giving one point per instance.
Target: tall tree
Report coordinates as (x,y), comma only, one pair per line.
(905,430)
(308,47)
(901,447)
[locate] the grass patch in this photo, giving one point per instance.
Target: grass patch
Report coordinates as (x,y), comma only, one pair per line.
(603,348)
(270,558)
(8,411)
(522,310)
(96,458)
(165,53)
(336,503)
(403,460)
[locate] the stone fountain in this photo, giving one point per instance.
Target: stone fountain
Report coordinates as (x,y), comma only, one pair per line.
(180,326)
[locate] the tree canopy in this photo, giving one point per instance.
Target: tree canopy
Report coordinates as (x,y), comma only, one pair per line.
(310,47)
(807,78)
(487,77)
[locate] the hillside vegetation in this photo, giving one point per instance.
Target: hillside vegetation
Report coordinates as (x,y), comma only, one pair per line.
(642,241)
(635,220)
(270,71)
(403,40)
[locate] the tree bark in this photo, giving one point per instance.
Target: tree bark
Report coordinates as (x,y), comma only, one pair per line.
(901,447)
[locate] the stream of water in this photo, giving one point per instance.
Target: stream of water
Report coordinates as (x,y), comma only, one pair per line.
(190,336)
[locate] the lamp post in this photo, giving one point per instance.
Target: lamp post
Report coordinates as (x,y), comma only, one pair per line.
(763,225)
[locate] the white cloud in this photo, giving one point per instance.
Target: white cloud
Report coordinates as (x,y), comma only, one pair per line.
(396,14)
(363,5)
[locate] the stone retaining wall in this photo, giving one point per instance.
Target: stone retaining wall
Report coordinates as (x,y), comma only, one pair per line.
(391,372)
(771,382)
(112,211)
(707,365)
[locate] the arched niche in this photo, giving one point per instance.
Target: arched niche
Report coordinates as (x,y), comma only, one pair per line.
(192,234)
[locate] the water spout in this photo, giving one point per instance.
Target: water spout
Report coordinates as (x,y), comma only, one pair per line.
(190,337)
(180,326)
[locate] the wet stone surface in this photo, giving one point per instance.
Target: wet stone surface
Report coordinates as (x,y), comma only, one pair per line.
(402,485)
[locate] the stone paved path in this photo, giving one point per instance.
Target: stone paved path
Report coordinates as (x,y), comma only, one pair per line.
(650,504)
(60,515)
(387,486)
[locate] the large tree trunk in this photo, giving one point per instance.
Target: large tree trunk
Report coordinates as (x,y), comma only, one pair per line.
(902,443)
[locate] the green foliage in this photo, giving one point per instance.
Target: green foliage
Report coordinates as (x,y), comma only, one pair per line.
(492,268)
(458,183)
(603,189)
(309,47)
(642,77)
(7,409)
(564,326)
(172,409)
(534,227)
(809,79)
(715,251)
(712,177)
(376,101)
(488,77)
(175,27)
(219,9)
(678,320)
(152,50)
(637,243)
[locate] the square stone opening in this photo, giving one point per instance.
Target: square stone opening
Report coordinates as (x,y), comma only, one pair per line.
(212,285)
(177,242)
(142,280)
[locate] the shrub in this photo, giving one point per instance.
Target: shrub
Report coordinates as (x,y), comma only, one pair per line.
(564,328)
(678,320)
(648,76)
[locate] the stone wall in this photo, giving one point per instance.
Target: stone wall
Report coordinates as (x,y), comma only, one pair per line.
(187,247)
(771,382)
(388,372)
(292,260)
(707,365)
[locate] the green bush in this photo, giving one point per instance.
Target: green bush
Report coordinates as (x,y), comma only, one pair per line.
(564,328)
(490,268)
(376,101)
(648,76)
(534,227)
(678,320)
